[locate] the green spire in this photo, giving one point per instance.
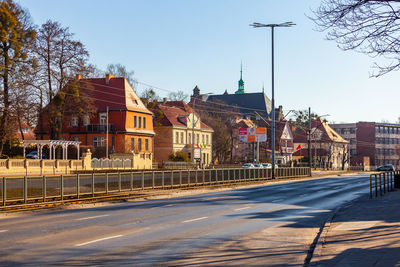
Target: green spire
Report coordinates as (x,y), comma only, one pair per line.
(240,83)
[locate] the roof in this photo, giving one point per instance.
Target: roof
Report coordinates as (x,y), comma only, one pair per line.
(247,103)
(117,94)
(328,134)
(175,113)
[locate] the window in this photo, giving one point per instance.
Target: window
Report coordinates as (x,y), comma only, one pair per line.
(144,122)
(132,144)
(146,144)
(140,122)
(103,118)
(25,130)
(176,137)
(197,138)
(140,144)
(74,121)
(99,141)
(202,138)
(207,140)
(134,121)
(86,120)
(182,141)
(190,139)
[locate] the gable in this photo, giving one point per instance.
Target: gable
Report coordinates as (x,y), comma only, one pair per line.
(286,133)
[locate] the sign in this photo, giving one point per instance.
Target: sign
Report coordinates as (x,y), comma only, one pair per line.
(248,135)
(197,153)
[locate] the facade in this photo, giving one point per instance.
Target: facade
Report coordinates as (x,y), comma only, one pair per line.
(380,142)
(129,127)
(176,125)
(25,132)
(328,149)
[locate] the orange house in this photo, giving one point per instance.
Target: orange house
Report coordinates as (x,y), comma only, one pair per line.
(130,123)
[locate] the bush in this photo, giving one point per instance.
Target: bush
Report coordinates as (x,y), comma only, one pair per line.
(178,156)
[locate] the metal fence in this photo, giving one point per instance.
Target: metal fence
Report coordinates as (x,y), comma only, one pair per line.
(30,189)
(382,182)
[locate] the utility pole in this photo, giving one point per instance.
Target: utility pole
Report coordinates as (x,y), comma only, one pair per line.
(309,137)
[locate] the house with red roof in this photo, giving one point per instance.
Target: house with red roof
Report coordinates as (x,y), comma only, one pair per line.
(328,149)
(176,127)
(120,122)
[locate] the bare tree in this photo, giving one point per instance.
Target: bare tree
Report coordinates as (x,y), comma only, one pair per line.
(178,96)
(371,27)
(120,70)
(60,58)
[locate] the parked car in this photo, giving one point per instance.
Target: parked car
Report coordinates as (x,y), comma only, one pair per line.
(34,155)
(247,166)
(269,165)
(385,168)
(258,165)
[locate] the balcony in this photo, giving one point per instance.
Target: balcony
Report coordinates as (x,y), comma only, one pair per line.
(100,128)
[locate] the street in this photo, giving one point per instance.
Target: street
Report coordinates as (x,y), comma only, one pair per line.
(266,225)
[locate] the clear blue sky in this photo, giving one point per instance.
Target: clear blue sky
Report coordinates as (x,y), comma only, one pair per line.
(177,44)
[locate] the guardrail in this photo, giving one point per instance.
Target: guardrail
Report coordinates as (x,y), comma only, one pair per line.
(35,189)
(382,182)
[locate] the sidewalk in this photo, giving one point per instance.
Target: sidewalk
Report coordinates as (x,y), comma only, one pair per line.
(363,233)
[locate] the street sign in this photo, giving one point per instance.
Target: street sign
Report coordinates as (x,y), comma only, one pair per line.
(197,153)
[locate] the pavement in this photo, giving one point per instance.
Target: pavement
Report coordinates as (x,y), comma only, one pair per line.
(365,232)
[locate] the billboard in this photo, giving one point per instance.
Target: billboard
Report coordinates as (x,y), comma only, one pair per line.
(249,135)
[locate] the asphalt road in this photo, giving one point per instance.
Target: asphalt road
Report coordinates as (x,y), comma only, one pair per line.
(271,225)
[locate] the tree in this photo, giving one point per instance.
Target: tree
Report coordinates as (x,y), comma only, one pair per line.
(16,38)
(177,96)
(300,119)
(119,70)
(367,26)
(60,58)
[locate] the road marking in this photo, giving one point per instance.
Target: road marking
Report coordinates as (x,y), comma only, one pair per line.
(277,200)
(242,208)
(3,231)
(97,240)
(197,219)
(92,217)
(170,205)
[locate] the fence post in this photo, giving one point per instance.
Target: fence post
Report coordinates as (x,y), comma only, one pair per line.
(180,178)
(384,182)
(370,186)
(132,180)
(62,186)
(380,184)
(222,175)
(25,189)
(44,189)
(204,177)
(143,180)
(4,187)
(92,182)
(77,186)
(152,180)
(229,175)
(376,185)
(119,182)
(209,177)
(196,177)
(172,179)
(188,178)
(106,182)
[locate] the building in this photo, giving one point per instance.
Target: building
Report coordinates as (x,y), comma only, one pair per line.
(176,125)
(328,149)
(24,132)
(380,142)
(120,121)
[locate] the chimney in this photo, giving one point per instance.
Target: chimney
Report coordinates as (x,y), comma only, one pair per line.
(78,77)
(108,78)
(165,100)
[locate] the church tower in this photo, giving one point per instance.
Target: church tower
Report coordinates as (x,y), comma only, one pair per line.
(240,83)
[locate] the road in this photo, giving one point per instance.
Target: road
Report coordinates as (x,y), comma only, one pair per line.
(268,225)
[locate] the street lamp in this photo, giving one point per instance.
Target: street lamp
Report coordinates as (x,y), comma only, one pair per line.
(193,123)
(272,26)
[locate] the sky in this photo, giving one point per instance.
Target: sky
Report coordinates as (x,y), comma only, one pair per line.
(175,45)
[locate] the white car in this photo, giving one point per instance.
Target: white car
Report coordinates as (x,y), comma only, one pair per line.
(247,166)
(269,165)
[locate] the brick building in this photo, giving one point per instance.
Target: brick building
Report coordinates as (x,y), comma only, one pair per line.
(380,142)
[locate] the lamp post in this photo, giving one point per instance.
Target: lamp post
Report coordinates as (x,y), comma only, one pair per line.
(272,26)
(193,123)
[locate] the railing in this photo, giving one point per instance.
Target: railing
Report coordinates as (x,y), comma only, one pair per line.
(28,189)
(382,182)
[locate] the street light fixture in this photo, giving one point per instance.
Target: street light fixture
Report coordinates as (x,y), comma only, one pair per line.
(193,123)
(272,26)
